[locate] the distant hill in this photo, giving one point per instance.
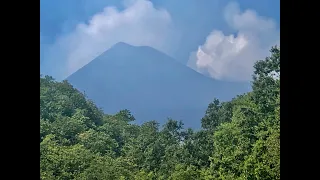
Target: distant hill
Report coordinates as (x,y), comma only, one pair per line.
(152,85)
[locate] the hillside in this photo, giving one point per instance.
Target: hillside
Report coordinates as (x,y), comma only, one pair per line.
(151,84)
(239,139)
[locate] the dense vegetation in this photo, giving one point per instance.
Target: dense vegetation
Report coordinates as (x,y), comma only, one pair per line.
(239,139)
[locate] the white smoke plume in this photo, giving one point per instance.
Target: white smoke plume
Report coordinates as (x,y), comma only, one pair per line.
(231,57)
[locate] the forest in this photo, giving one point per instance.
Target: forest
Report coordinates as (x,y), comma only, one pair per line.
(239,139)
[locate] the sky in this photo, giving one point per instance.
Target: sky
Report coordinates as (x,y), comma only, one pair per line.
(219,38)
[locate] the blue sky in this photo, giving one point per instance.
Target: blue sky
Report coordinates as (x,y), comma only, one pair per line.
(219,38)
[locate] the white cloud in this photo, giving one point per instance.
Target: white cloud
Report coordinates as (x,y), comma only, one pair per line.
(140,23)
(231,57)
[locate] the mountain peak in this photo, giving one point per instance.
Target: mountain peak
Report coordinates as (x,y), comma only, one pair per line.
(122,44)
(149,83)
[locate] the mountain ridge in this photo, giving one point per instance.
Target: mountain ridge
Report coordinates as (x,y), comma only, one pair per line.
(119,44)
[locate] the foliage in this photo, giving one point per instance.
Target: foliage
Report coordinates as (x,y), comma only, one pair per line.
(239,139)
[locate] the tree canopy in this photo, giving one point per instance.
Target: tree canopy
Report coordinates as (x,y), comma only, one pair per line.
(239,139)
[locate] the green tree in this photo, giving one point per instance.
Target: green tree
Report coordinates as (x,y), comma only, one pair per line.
(239,139)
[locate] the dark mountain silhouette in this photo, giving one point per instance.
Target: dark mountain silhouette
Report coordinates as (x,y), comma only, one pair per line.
(152,85)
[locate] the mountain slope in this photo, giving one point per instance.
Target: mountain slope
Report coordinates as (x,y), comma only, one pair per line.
(152,85)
